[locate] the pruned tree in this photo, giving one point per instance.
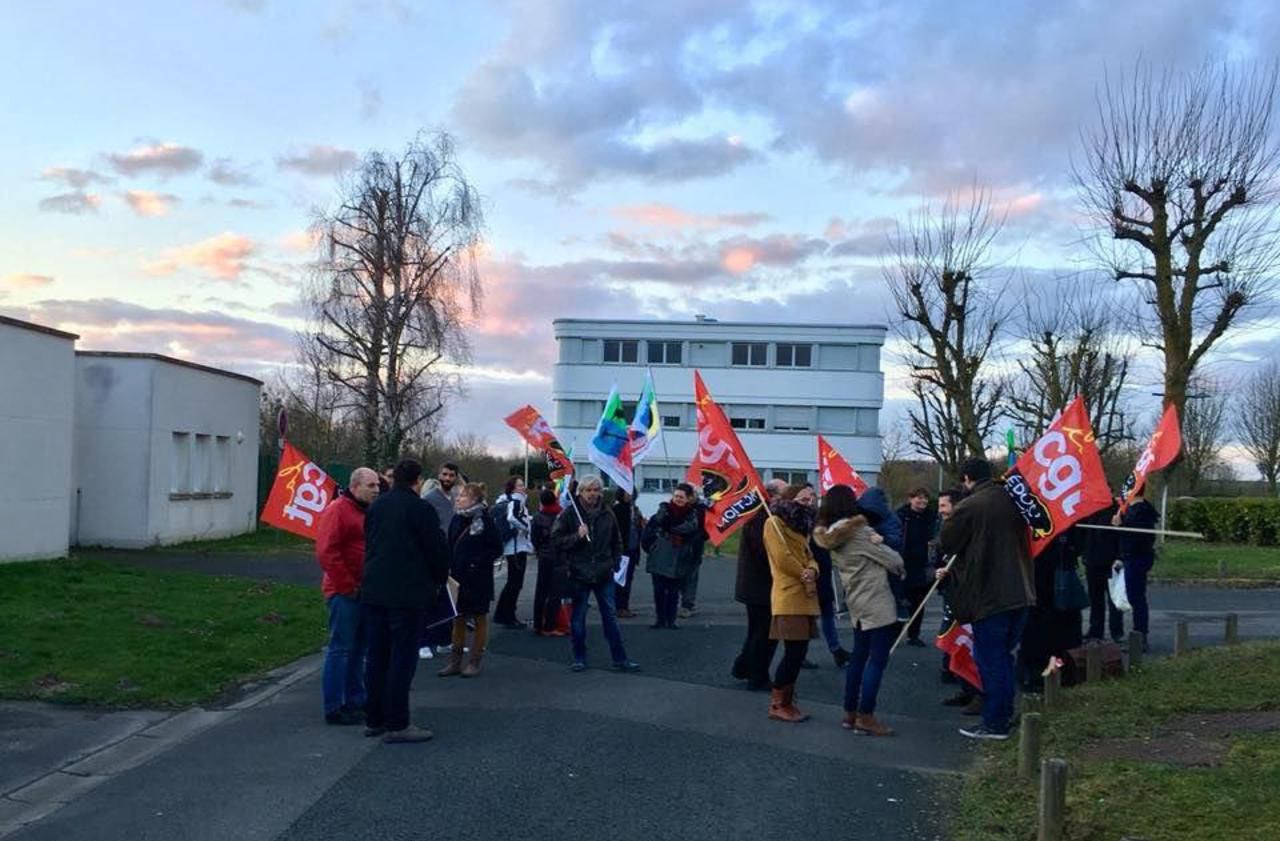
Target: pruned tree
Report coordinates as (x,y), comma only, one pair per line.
(1257,422)
(1204,425)
(1180,174)
(937,273)
(1072,347)
(396,282)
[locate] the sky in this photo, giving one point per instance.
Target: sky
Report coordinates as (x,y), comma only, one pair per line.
(745,160)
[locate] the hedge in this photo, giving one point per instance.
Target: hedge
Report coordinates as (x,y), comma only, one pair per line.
(1236,520)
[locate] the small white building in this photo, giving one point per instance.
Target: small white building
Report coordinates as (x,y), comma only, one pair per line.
(37,409)
(166,450)
(779,384)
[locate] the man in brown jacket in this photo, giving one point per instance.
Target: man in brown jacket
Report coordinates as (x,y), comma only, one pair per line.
(990,587)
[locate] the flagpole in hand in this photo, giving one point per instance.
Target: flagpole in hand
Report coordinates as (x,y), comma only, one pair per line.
(907,625)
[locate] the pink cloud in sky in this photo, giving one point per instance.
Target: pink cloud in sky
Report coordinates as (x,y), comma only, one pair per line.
(147,203)
(26,281)
(162,159)
(221,256)
(657,215)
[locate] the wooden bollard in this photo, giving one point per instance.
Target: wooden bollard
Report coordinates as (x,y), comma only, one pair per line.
(1029,745)
(1137,640)
(1181,638)
(1030,703)
(1232,633)
(1093,664)
(1053,691)
(1053,800)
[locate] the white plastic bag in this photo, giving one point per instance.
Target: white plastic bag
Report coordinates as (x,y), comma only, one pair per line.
(1119,595)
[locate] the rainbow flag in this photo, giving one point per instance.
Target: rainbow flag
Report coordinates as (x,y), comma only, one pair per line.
(646,426)
(610,448)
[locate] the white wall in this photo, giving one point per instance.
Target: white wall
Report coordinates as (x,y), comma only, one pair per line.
(36,412)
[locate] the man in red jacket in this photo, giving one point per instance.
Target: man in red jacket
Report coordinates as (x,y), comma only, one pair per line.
(340,551)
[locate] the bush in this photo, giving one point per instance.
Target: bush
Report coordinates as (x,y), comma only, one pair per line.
(1235,520)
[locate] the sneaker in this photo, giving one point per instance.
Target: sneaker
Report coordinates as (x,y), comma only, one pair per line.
(557,633)
(982,733)
(578,666)
(425,653)
(443,649)
(626,613)
(626,666)
(344,717)
(406,736)
(688,612)
(373,732)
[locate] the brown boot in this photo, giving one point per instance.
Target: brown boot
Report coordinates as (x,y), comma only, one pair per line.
(472,669)
(869,725)
(778,708)
(791,704)
(454,666)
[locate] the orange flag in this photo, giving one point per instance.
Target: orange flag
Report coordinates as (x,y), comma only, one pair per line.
(721,468)
(532,427)
(301,491)
(1163,448)
(834,470)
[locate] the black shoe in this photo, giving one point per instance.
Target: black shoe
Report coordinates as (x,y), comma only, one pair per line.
(916,642)
(982,733)
(948,677)
(626,666)
(344,717)
(960,699)
(658,626)
(841,657)
(374,732)
(739,671)
(808,664)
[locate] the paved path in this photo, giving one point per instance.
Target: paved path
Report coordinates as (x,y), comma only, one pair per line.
(530,750)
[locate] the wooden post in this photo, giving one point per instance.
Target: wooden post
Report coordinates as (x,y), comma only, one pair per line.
(1053,691)
(1053,800)
(1136,641)
(1029,745)
(1093,664)
(1232,634)
(1030,703)
(1181,638)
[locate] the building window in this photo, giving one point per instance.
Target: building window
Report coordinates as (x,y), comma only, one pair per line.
(793,418)
(622,351)
(202,465)
(792,477)
(671,421)
(795,356)
(222,465)
(180,463)
(746,423)
(665,353)
(754,354)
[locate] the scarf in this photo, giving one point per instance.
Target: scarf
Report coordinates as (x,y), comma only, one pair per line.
(799,518)
(473,514)
(676,514)
(553,509)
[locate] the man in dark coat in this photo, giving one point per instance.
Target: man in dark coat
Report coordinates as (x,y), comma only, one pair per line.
(755,583)
(1101,551)
(1138,555)
(990,586)
(406,564)
(919,523)
(589,539)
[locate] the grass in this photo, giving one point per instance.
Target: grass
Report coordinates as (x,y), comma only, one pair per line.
(1181,560)
(89,631)
(1110,799)
(264,540)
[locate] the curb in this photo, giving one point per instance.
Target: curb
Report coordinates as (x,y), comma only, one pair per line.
(42,797)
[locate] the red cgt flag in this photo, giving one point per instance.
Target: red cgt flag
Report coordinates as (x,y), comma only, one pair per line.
(1163,448)
(957,644)
(532,427)
(300,492)
(721,468)
(834,470)
(1059,479)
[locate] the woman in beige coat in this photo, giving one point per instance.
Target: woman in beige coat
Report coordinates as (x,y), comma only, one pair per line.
(865,565)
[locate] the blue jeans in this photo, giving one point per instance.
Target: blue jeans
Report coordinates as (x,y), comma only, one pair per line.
(1136,571)
(994,640)
(866,668)
(343,682)
(578,624)
(390,663)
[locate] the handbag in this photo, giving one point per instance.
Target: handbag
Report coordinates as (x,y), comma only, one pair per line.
(1068,592)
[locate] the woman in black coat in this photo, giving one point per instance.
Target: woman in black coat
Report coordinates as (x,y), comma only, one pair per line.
(476,546)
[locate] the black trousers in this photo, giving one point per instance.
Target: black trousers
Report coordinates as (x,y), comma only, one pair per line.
(546,601)
(390,663)
(505,612)
(1098,579)
(915,597)
(793,654)
(757,652)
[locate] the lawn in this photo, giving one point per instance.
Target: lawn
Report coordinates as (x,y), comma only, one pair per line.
(1180,560)
(1148,757)
(264,539)
(90,631)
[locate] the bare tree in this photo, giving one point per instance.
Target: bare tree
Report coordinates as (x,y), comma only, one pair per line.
(395,286)
(1204,424)
(937,274)
(1181,172)
(1072,348)
(1257,422)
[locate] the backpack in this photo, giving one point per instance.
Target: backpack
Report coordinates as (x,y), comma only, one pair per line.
(506,531)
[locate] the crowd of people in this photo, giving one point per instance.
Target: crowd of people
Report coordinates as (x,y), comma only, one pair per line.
(409,573)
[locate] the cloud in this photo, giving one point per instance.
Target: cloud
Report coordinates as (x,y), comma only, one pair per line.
(77,203)
(223,171)
(301,242)
(319,160)
(248,204)
(147,203)
(76,178)
(657,215)
(26,281)
(221,256)
(162,159)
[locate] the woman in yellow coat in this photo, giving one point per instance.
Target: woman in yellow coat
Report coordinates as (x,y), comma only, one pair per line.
(794,597)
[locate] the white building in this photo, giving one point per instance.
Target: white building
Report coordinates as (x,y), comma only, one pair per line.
(779,384)
(37,409)
(166,450)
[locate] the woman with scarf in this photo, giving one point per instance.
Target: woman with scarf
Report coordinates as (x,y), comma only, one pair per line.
(476,545)
(865,565)
(546,592)
(794,597)
(672,538)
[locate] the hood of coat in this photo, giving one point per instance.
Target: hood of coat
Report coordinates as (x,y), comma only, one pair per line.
(875,504)
(839,532)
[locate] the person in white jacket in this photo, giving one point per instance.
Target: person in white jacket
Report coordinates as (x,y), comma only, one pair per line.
(516,548)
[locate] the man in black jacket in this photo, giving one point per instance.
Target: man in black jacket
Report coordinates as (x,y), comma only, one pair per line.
(406,564)
(755,583)
(1101,551)
(918,526)
(1138,555)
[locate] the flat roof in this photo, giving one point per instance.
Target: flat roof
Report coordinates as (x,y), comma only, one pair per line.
(156,357)
(36,328)
(711,322)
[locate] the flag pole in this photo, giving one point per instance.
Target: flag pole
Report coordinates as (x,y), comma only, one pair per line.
(906,626)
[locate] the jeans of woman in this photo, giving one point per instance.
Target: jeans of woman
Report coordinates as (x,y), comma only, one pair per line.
(866,668)
(793,654)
